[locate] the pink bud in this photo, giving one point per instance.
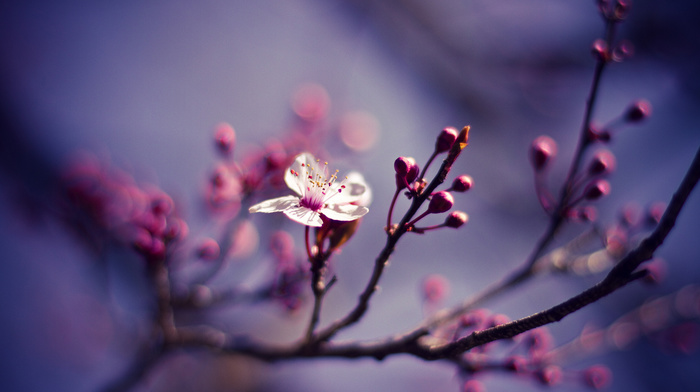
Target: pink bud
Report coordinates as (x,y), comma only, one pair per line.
(655,212)
(445,139)
(406,171)
(542,150)
(588,214)
(597,189)
(225,137)
(462,183)
(638,111)
(622,51)
(600,49)
(550,375)
(473,386)
(435,288)
(208,250)
(440,202)
(402,165)
(597,376)
(656,271)
(622,8)
(603,162)
(516,363)
(456,219)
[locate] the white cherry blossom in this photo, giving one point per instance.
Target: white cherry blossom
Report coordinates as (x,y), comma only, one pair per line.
(318,193)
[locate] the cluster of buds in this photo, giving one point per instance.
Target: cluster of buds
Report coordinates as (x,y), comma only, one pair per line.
(588,185)
(409,177)
(531,355)
(143,217)
(636,112)
(614,10)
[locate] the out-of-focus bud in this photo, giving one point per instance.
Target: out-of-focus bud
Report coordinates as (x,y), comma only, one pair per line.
(446,139)
(655,212)
(638,111)
(597,189)
(597,377)
(542,150)
(549,375)
(630,215)
(600,50)
(656,271)
(462,183)
(435,288)
(456,219)
(225,138)
(622,8)
(473,386)
(441,202)
(516,363)
(588,214)
(208,250)
(623,51)
(603,163)
(282,245)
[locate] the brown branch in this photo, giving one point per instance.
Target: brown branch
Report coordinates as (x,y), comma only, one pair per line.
(363,303)
(622,274)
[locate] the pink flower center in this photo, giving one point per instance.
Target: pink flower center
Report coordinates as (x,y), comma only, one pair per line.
(317,187)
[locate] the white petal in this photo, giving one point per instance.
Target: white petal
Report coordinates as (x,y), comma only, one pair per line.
(347,212)
(304,216)
(296,181)
(279,204)
(356,191)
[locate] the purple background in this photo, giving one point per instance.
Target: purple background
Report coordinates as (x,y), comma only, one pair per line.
(145,82)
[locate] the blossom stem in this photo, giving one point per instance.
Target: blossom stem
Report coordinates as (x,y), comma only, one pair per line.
(421,216)
(427,164)
(391,208)
(308,245)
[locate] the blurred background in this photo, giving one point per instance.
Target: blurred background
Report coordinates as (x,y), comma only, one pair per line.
(142,84)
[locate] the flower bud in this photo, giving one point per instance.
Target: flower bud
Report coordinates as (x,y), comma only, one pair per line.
(588,214)
(655,212)
(597,376)
(402,165)
(597,189)
(622,8)
(549,375)
(622,51)
(473,386)
(445,139)
(412,173)
(440,202)
(600,50)
(542,150)
(603,162)
(516,363)
(638,111)
(225,137)
(456,219)
(435,288)
(462,183)
(406,171)
(208,250)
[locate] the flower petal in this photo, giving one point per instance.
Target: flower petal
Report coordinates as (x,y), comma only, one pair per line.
(304,216)
(294,176)
(347,212)
(279,204)
(356,190)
